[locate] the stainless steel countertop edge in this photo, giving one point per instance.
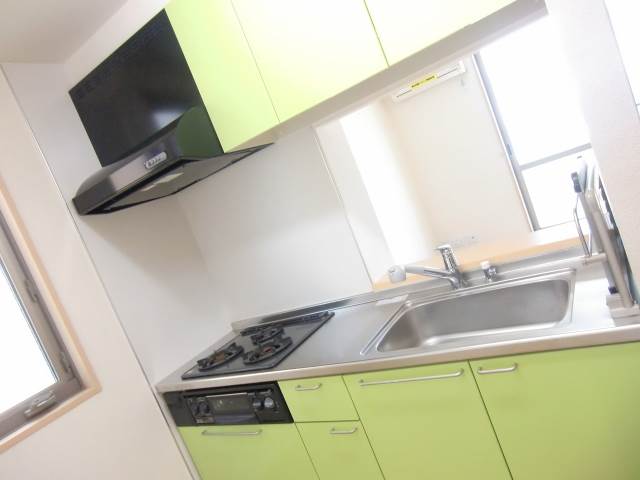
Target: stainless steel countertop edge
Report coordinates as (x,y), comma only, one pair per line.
(606,336)
(336,349)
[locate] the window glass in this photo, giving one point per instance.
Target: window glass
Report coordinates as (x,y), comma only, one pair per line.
(534,92)
(24,367)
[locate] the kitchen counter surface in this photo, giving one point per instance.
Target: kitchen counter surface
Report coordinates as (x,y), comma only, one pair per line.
(339,346)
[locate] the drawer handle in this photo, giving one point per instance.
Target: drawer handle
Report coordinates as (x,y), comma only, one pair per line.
(512,368)
(335,431)
(414,379)
(208,433)
(300,388)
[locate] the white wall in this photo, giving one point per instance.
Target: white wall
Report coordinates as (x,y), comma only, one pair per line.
(457,161)
(434,170)
(119,433)
(273,232)
(609,109)
(381,160)
(355,198)
(147,258)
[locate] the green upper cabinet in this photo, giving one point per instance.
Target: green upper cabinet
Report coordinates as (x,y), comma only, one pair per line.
(340,451)
(427,423)
(567,415)
(223,68)
(267,452)
(407,26)
(309,50)
(318,399)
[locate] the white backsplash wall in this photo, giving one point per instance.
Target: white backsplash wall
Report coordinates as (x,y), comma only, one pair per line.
(147,258)
(273,232)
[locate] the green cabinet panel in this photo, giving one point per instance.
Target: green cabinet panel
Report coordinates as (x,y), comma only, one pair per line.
(224,69)
(318,399)
(406,26)
(427,423)
(340,451)
(309,50)
(270,452)
(567,415)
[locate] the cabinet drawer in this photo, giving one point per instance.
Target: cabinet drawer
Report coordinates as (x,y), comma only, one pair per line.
(318,399)
(270,452)
(340,450)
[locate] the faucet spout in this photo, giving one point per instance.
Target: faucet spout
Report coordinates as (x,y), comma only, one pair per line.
(451,273)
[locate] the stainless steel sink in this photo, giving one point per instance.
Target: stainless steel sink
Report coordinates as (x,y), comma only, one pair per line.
(477,313)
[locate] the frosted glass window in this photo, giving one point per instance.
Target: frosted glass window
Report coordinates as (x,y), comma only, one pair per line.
(533,95)
(24,367)
(624,15)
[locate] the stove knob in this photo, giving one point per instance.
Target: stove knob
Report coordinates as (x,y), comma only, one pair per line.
(269,403)
(257,404)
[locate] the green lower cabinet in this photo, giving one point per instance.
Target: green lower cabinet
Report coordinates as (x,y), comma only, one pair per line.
(566,415)
(340,451)
(428,423)
(267,452)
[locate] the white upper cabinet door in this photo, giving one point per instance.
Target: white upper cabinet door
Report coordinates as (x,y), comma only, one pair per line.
(309,50)
(407,26)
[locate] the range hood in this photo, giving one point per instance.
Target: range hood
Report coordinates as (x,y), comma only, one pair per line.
(147,123)
(184,152)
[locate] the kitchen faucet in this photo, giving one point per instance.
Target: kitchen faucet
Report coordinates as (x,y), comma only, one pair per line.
(451,273)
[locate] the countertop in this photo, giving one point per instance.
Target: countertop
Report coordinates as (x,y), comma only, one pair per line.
(339,346)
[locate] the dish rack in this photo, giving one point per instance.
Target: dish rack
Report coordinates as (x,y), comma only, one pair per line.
(604,240)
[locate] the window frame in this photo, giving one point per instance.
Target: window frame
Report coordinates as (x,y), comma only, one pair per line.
(68,381)
(503,133)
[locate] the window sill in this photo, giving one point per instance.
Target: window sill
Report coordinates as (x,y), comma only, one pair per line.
(48,417)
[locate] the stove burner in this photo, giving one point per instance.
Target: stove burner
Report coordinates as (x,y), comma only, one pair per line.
(220,357)
(266,334)
(267,350)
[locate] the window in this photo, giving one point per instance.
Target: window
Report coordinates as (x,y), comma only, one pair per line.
(534,101)
(34,367)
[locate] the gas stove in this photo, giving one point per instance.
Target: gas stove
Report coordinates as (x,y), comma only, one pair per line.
(259,347)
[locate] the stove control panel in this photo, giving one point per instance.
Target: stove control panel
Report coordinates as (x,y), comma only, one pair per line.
(229,406)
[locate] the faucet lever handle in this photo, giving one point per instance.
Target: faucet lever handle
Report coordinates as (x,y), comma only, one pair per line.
(448,257)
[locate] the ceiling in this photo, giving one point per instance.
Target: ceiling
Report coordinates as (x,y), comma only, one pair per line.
(49,30)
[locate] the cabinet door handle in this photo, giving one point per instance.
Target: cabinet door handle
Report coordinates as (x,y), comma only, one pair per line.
(512,368)
(208,433)
(300,388)
(414,379)
(335,431)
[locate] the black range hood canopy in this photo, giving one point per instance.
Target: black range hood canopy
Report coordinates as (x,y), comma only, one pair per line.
(148,125)
(183,153)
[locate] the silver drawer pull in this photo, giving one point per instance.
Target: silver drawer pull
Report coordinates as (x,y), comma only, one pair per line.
(512,368)
(300,388)
(335,431)
(208,433)
(414,379)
